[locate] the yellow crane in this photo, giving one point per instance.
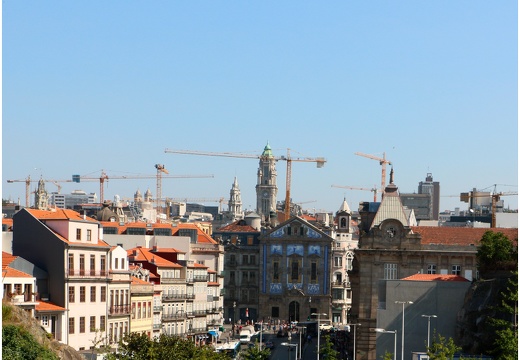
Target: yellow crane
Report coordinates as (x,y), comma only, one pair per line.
(320,161)
(28,182)
(383,162)
(374,190)
(158,176)
(495,197)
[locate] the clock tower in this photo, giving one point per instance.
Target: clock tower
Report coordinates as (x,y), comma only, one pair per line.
(266,189)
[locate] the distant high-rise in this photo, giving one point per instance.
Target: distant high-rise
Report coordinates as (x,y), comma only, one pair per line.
(433,189)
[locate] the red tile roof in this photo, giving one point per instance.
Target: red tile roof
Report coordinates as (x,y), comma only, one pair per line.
(144,254)
(435,277)
(10,272)
(238,226)
(8,222)
(58,214)
(7,259)
(202,237)
(48,306)
(458,235)
(137,281)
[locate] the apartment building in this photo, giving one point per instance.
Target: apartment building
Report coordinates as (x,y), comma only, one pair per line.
(142,293)
(69,248)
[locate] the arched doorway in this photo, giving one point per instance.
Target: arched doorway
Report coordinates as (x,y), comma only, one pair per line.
(294,311)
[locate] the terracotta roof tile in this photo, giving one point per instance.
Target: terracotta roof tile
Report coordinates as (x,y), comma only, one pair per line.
(48,306)
(10,272)
(458,235)
(238,226)
(202,237)
(435,277)
(59,214)
(144,254)
(7,259)
(137,281)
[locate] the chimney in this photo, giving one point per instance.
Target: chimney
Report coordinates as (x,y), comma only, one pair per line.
(154,248)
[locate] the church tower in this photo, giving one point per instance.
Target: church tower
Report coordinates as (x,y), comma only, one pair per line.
(266,189)
(235,202)
(41,196)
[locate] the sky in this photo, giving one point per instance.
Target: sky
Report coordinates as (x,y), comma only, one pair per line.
(92,86)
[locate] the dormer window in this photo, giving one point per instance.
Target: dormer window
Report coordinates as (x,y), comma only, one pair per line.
(89,235)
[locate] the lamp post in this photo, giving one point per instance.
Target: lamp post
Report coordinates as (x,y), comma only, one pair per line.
(429,317)
(354,350)
(383,331)
(402,327)
(318,350)
(300,330)
(234,317)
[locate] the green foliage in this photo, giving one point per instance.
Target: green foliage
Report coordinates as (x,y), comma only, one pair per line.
(327,349)
(506,338)
(140,347)
(442,348)
(7,311)
(387,356)
(17,343)
(254,353)
(496,252)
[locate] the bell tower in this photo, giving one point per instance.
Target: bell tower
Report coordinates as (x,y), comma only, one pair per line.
(266,189)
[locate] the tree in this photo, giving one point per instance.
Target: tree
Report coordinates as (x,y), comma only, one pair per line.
(254,353)
(441,348)
(496,252)
(387,356)
(327,349)
(18,343)
(505,329)
(139,347)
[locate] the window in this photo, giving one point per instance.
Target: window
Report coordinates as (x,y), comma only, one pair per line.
(116,263)
(245,260)
(71,325)
(455,269)
(275,312)
(295,274)
(71,263)
(78,234)
(276,272)
(92,324)
(92,294)
(81,324)
(244,276)
(89,235)
(314,272)
(338,261)
(252,260)
(45,320)
(103,293)
(103,265)
(72,294)
(149,309)
(432,269)
(82,264)
(102,322)
(82,294)
(92,264)
(252,277)
(123,263)
(390,271)
(232,277)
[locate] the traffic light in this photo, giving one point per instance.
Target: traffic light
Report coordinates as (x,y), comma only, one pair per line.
(309,318)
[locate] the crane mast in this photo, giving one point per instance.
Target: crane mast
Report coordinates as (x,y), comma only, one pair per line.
(374,190)
(383,162)
(320,161)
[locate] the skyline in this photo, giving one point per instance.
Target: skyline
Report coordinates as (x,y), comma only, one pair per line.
(109,86)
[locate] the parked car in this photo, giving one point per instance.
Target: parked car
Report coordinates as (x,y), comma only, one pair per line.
(325,327)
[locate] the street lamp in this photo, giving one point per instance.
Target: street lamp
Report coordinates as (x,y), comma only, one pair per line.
(354,351)
(318,350)
(234,317)
(300,330)
(402,327)
(289,348)
(429,317)
(383,331)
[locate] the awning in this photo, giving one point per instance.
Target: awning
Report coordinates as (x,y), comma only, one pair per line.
(213,333)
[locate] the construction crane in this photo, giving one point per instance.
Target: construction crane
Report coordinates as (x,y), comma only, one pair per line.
(104,176)
(28,182)
(160,170)
(495,197)
(319,163)
(383,162)
(374,190)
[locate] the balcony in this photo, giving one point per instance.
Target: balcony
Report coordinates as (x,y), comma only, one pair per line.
(81,273)
(157,326)
(339,301)
(119,310)
(157,308)
(174,317)
(174,297)
(170,280)
(199,312)
(200,277)
(199,330)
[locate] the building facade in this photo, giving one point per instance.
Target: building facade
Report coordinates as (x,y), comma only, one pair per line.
(266,189)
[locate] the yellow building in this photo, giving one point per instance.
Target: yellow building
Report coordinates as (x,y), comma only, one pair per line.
(141,298)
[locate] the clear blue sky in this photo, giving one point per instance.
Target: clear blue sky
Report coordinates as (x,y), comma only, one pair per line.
(92,85)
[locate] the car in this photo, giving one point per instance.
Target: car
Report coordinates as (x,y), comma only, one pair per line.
(269,344)
(325,327)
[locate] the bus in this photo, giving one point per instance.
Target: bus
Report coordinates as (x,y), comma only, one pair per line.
(230,348)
